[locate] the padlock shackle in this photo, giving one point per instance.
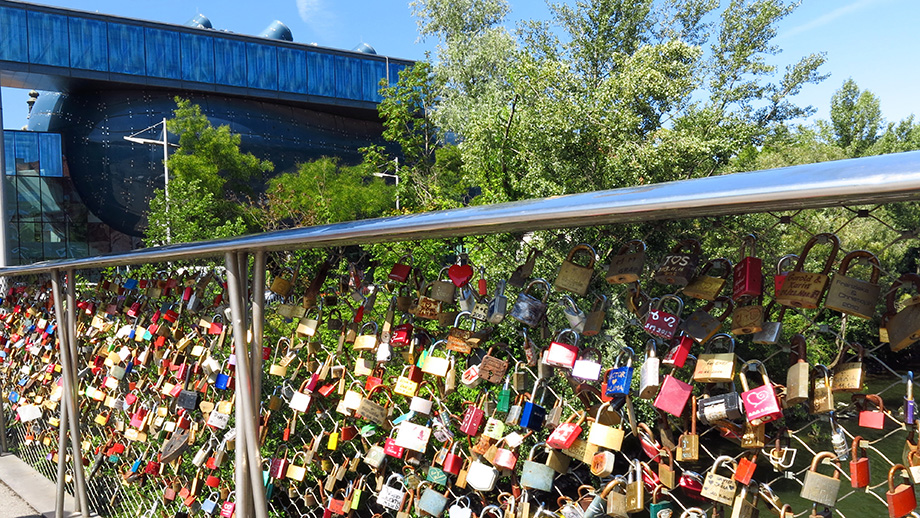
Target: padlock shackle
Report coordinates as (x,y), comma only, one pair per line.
(826,455)
(875,399)
(829,262)
(566,331)
(856,448)
(862,254)
(721,460)
(759,366)
(692,245)
(729,306)
(583,247)
(718,338)
(543,283)
(891,472)
(748,240)
(721,265)
(617,481)
(659,303)
(788,258)
(798,349)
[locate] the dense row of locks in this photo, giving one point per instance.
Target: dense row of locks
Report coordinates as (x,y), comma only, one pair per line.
(372,420)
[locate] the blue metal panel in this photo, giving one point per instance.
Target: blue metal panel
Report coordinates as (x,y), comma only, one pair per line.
(126,49)
(14,45)
(320,74)
(347,77)
(9,156)
(48,39)
(230,62)
(197,58)
(373,72)
(49,146)
(26,154)
(292,70)
(88,44)
(163,54)
(394,72)
(263,66)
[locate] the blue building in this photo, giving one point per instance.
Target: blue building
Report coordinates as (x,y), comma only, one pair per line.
(74,186)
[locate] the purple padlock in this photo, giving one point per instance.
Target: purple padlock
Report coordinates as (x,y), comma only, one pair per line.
(909,400)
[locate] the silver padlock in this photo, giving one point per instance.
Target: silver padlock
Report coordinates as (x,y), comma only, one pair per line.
(498,305)
(770,331)
(573,314)
(528,309)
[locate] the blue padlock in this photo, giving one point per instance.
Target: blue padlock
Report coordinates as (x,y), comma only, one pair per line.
(130,284)
(909,400)
(223,380)
(209,505)
(533,414)
(619,377)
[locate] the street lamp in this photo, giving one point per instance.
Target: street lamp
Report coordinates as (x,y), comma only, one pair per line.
(391,175)
(166,145)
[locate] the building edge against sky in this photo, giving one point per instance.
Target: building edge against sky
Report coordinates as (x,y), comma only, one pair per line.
(108,77)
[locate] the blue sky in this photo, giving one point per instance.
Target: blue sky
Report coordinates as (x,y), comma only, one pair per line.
(873,41)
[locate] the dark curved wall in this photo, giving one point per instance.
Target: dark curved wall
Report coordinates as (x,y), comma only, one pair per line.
(116,178)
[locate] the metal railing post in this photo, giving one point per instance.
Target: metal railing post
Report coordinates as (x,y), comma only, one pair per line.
(258,321)
(62,462)
(69,394)
(81,501)
(244,380)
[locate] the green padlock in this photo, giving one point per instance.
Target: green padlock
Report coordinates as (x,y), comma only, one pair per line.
(504,397)
(659,508)
(436,476)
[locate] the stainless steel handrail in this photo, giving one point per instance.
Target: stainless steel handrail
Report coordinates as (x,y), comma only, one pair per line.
(878,179)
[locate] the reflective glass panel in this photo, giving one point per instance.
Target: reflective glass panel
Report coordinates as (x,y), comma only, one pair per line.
(88,44)
(126,49)
(374,71)
(197,58)
(230,61)
(262,66)
(9,157)
(320,74)
(48,39)
(27,155)
(347,77)
(49,145)
(292,70)
(14,44)
(162,53)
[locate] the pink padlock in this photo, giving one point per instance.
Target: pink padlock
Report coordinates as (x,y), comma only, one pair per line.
(760,403)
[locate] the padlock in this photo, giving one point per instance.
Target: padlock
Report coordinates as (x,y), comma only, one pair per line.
(481,476)
(909,405)
(706,285)
(389,496)
(714,367)
(431,501)
(619,377)
(744,508)
(279,368)
(797,375)
(436,365)
(821,397)
(562,353)
(603,435)
(761,405)
(673,395)
(616,500)
(804,289)
(533,414)
(444,289)
(661,323)
(855,296)
(564,434)
(719,488)
(870,418)
(903,327)
(602,464)
(721,407)
(628,263)
(635,488)
(309,323)
(649,373)
(595,318)
(747,464)
(366,339)
(680,349)
(573,277)
(528,309)
(820,488)
(493,368)
(658,507)
(679,266)
(585,369)
(902,499)
(747,319)
(771,330)
(576,317)
(666,473)
(859,466)
(498,305)
(747,275)
(458,338)
(701,325)
(849,375)
(400,271)
(473,418)
(780,276)
(426,306)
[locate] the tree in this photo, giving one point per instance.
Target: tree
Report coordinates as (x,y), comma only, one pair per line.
(622,93)
(856,118)
(427,166)
(322,192)
(208,175)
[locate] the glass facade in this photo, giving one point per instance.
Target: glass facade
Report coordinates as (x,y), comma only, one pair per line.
(102,44)
(45,217)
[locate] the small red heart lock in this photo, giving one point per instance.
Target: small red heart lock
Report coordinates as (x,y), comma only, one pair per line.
(460,274)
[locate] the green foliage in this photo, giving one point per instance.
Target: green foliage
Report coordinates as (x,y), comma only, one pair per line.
(427,167)
(324,191)
(856,118)
(612,93)
(207,174)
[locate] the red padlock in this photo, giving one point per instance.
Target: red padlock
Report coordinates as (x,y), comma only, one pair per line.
(212,481)
(564,434)
(400,271)
(680,348)
(472,420)
(746,467)
(453,463)
(871,418)
(859,466)
(562,354)
(227,509)
(747,276)
(659,322)
(902,499)
(781,274)
(391,448)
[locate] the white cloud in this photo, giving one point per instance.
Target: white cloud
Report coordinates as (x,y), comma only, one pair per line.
(316,16)
(824,19)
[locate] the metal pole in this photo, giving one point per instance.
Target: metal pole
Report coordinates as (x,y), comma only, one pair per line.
(397,183)
(244,379)
(81,502)
(243,490)
(62,458)
(258,320)
(4,244)
(69,396)
(166,176)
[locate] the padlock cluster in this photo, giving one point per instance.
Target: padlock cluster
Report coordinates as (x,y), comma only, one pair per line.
(452,396)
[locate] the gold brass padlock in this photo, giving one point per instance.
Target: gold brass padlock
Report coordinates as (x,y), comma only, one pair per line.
(805,289)
(573,277)
(707,286)
(855,296)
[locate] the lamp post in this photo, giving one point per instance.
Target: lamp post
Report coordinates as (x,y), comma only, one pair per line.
(391,175)
(166,145)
